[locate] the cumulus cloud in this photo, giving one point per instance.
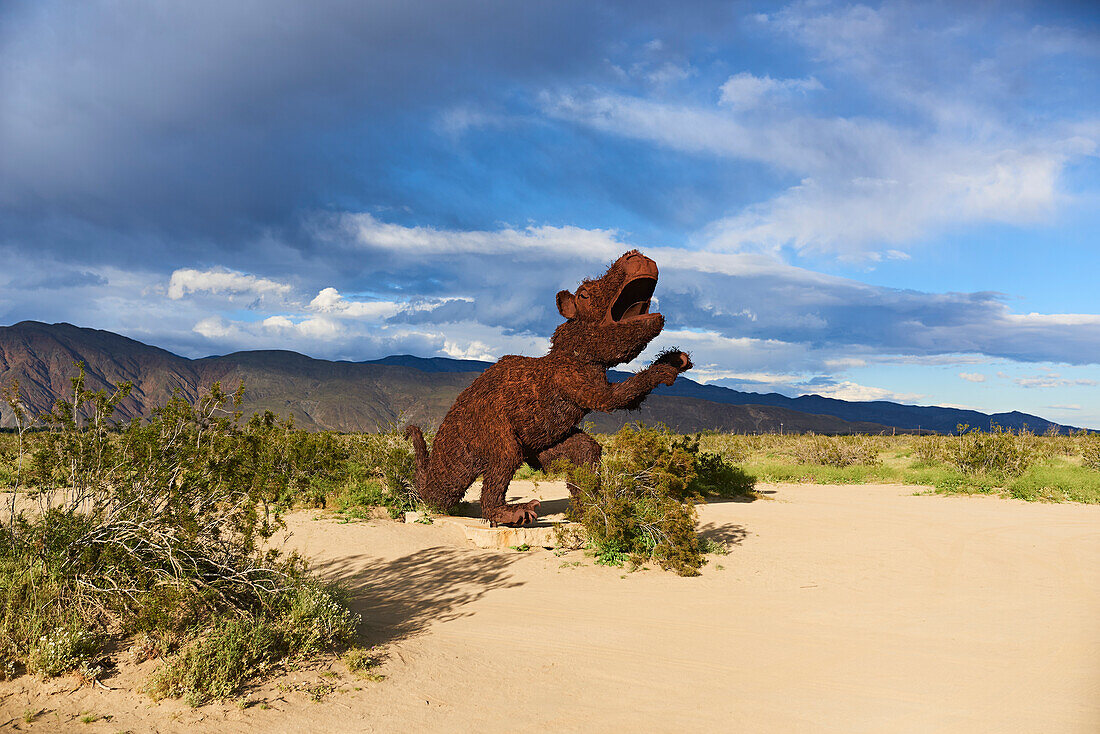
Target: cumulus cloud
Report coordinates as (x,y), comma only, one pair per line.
(369,231)
(223,281)
(848,390)
(972,376)
(329,301)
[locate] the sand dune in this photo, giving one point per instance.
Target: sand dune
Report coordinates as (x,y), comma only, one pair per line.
(846,609)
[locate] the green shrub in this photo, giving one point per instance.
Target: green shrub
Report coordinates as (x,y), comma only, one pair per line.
(161,526)
(362,662)
(225,656)
(928,450)
(996,452)
(388,456)
(716,477)
(640,504)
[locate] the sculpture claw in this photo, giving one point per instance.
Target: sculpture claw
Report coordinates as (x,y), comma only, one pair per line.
(516,515)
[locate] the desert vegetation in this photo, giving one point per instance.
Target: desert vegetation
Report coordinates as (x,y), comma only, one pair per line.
(154,535)
(1050,467)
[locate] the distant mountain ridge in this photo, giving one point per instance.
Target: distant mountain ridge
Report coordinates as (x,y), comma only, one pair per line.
(373,394)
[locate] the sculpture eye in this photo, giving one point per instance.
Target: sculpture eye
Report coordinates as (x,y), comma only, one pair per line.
(583,294)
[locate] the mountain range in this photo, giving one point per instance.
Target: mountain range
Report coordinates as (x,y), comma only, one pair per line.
(374,394)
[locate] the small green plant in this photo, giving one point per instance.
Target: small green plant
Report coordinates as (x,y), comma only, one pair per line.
(715,476)
(709,546)
(389,457)
(362,663)
(62,650)
(523,548)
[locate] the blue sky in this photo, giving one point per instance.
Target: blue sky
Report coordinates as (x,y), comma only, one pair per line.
(882,201)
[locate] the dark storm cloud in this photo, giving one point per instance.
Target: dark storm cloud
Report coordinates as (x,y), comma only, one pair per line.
(141,128)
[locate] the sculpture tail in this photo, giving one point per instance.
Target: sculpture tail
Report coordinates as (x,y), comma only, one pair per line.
(420,449)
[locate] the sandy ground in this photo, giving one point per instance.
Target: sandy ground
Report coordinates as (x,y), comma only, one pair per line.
(838,609)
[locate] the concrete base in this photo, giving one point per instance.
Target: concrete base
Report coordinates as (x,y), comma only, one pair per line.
(477,531)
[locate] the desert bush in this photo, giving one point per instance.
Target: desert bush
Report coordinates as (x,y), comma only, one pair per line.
(715,476)
(159,525)
(928,449)
(1089,448)
(838,451)
(734,449)
(388,460)
(640,504)
(299,621)
(996,452)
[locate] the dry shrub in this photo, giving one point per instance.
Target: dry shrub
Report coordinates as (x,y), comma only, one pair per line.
(1090,450)
(837,451)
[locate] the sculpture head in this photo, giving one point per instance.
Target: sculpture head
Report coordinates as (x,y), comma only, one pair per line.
(607,319)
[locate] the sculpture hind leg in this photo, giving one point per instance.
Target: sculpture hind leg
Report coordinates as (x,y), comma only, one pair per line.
(494,487)
(577,447)
(449,473)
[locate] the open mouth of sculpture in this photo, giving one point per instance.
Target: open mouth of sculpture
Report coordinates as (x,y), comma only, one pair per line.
(634,298)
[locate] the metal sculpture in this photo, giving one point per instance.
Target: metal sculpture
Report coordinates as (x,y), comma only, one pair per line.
(526,409)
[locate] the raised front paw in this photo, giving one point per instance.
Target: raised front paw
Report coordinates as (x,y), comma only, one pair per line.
(675,358)
(672,363)
(515,515)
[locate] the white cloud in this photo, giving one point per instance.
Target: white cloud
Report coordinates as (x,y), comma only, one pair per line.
(972,376)
(848,390)
(223,281)
(944,147)
(368,231)
(215,328)
(733,295)
(864,183)
(1065,407)
(329,301)
(744,91)
(1055,319)
(277,323)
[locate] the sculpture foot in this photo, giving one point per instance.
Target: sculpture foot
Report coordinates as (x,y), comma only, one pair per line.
(515,515)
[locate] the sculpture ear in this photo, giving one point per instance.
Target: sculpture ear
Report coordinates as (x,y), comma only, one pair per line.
(567,304)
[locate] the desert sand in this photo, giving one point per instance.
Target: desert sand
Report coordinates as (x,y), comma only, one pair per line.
(838,609)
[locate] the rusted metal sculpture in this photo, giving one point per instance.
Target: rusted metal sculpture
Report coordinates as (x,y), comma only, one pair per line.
(526,409)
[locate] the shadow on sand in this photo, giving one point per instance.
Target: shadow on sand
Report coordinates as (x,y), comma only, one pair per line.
(402,597)
(725,533)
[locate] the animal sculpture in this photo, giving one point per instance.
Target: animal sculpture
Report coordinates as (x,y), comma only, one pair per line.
(527,409)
